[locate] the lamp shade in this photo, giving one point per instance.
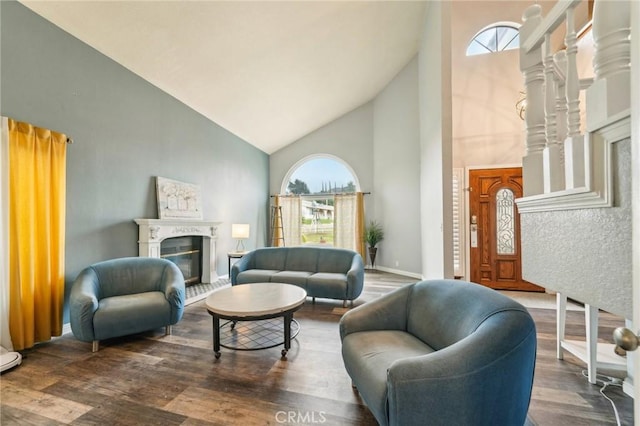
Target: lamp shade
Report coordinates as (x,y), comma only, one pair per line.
(240,230)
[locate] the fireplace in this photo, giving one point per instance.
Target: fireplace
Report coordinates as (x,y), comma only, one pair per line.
(153,232)
(186,253)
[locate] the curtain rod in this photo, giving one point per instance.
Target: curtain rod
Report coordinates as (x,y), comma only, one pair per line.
(319,195)
(69,138)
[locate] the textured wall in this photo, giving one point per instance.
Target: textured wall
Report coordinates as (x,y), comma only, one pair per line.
(585,254)
(126,132)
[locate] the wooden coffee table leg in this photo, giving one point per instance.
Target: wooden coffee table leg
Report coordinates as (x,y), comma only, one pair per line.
(288,317)
(216,336)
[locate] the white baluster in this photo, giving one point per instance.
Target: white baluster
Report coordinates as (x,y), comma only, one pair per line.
(550,93)
(575,148)
(572,80)
(533,71)
(552,166)
(608,97)
(560,59)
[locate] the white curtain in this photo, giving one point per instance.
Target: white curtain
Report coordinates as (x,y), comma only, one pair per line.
(5,336)
(344,221)
(291,220)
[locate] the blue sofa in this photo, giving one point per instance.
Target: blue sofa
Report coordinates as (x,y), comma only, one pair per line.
(441,352)
(322,271)
(125,296)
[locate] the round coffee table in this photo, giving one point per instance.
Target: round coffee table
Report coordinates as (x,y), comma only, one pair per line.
(253,302)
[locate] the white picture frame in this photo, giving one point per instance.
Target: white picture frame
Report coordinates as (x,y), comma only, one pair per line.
(178,200)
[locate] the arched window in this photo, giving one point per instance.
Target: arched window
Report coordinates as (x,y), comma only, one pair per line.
(318,215)
(495,38)
(320,174)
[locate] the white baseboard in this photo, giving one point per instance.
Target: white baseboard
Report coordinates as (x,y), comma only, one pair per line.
(627,387)
(398,272)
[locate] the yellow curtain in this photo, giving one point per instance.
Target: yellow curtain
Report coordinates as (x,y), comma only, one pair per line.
(360,225)
(37,192)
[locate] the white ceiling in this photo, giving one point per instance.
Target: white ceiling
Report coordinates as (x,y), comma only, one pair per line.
(269,72)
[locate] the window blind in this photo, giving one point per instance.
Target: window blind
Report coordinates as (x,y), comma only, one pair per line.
(458,223)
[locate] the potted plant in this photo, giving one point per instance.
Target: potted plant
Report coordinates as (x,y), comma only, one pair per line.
(373,234)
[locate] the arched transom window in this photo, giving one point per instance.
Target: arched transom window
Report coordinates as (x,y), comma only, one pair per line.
(495,38)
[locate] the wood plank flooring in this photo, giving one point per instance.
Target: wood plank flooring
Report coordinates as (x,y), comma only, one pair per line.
(152,379)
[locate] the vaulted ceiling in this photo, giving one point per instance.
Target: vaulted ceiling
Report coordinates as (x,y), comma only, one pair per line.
(269,72)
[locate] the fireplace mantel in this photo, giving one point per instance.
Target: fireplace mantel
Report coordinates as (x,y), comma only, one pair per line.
(151,232)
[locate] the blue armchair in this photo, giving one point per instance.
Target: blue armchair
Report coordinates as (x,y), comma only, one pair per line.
(441,352)
(125,296)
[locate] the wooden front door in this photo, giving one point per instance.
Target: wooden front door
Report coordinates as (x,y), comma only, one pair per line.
(495,252)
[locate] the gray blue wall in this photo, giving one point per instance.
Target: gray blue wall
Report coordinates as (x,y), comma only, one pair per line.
(396,165)
(380,141)
(126,132)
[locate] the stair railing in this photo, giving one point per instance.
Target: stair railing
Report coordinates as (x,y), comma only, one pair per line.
(564,168)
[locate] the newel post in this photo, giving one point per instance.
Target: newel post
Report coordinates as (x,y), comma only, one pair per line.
(608,97)
(533,72)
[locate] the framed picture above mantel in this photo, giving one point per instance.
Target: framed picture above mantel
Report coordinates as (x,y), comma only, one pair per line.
(178,200)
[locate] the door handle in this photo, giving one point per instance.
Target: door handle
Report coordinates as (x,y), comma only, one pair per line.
(626,339)
(474,231)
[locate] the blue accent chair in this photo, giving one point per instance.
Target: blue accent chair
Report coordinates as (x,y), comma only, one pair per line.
(126,296)
(442,352)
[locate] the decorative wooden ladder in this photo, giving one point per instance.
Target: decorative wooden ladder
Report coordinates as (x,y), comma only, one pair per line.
(277,228)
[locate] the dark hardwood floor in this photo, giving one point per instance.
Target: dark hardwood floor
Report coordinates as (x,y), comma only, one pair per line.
(175,380)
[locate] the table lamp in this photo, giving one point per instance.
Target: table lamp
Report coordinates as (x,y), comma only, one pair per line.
(240,231)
